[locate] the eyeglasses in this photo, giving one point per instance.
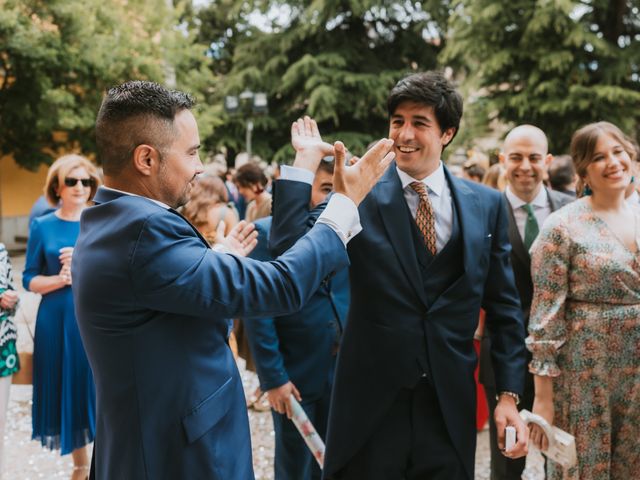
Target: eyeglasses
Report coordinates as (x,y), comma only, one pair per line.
(72,182)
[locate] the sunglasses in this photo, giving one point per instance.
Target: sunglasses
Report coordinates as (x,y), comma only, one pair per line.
(72,182)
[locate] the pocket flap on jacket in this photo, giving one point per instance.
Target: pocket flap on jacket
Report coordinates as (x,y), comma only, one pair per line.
(207,413)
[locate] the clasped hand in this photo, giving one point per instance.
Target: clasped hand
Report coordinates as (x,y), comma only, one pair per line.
(8,299)
(66,254)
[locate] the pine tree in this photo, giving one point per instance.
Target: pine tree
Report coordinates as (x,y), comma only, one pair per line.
(557,64)
(335,60)
(58,57)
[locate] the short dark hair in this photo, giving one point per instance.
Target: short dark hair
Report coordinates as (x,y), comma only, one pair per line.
(250,174)
(431,89)
(326,166)
(562,172)
(135,113)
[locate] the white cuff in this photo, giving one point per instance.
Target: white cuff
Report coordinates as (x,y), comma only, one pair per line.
(296,174)
(341,214)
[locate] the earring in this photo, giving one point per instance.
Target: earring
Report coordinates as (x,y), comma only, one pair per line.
(633,179)
(586,190)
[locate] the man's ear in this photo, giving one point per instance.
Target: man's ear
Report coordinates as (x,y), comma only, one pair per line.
(145,158)
(547,160)
(501,158)
(448,135)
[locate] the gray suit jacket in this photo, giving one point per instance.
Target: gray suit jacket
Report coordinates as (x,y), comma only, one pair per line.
(521,263)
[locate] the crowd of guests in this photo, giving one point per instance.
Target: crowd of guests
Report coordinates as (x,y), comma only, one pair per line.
(573,277)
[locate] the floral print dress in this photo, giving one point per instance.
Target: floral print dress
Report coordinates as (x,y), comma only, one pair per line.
(585,333)
(9,363)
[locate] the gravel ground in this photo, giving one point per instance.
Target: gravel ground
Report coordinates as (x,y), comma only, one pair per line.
(25,459)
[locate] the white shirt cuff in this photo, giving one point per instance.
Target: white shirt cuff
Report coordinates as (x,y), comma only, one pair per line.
(342,216)
(296,174)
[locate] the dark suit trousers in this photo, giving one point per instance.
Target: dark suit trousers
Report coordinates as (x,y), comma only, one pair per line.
(293,460)
(410,443)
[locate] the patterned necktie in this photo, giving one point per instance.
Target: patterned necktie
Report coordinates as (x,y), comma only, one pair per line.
(530,227)
(425,218)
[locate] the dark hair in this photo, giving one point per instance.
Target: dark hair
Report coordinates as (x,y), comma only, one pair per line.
(327,167)
(250,174)
(431,89)
(475,171)
(561,172)
(583,145)
(135,113)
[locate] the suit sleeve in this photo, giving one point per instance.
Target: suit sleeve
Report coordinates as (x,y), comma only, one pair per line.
(291,215)
(504,314)
(171,270)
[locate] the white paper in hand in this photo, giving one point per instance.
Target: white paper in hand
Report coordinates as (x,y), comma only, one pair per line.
(308,431)
(562,445)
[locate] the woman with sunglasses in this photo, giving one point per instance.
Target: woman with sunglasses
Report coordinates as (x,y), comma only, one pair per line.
(63,411)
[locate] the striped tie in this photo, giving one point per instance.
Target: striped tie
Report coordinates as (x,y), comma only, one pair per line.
(425,218)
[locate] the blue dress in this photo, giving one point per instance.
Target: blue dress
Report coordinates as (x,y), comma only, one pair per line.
(63,412)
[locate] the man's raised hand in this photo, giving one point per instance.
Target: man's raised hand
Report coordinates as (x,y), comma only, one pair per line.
(308,144)
(242,238)
(357,180)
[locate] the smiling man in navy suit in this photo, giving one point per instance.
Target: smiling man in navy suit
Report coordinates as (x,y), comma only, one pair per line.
(434,249)
(152,298)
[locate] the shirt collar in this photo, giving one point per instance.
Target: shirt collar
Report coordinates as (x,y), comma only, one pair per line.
(434,182)
(541,200)
(634,198)
(158,202)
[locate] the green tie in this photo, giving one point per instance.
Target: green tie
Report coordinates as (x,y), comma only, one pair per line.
(530,227)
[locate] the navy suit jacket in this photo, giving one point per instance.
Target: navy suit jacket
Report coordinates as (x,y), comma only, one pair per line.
(298,347)
(390,319)
(152,301)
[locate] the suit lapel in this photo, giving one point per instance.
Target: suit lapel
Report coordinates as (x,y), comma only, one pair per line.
(553,203)
(395,218)
(469,213)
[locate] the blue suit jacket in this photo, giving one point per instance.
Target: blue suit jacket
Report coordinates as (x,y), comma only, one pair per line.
(298,347)
(152,301)
(390,318)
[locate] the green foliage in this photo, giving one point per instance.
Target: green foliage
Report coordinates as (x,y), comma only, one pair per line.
(58,57)
(556,64)
(335,60)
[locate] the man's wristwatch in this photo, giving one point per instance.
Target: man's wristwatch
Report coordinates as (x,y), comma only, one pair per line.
(513,395)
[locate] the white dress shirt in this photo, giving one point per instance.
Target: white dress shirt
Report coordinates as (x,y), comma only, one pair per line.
(440,198)
(541,208)
(341,214)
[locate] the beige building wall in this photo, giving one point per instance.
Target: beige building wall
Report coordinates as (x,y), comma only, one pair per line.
(19,187)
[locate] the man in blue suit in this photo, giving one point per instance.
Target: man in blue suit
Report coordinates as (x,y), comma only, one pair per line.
(296,354)
(152,298)
(433,251)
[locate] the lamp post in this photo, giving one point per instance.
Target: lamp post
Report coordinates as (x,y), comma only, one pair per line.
(249,104)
